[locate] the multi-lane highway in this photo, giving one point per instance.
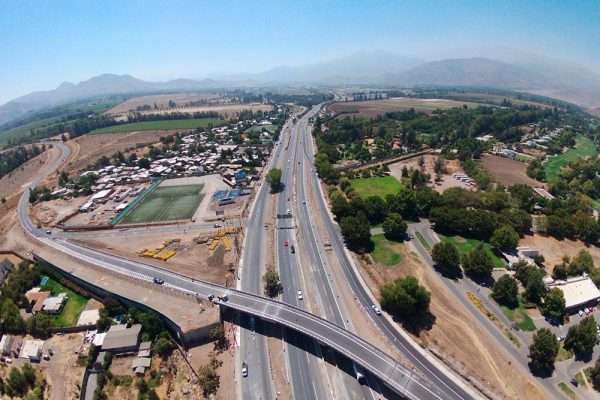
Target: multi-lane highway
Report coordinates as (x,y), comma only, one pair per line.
(400,379)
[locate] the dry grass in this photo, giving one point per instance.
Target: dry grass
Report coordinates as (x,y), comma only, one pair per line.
(507,171)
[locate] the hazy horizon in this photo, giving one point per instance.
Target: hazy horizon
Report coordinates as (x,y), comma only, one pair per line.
(45,44)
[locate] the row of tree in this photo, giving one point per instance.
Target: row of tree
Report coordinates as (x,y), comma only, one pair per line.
(12,159)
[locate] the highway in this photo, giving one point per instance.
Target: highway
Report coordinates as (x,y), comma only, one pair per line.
(449,387)
(397,377)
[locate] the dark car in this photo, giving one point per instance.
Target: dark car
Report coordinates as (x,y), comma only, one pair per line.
(574,382)
(292,249)
(158,281)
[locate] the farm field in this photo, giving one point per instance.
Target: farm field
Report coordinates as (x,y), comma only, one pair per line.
(583,147)
(386,252)
(377,185)
(259,128)
(465,246)
(72,308)
(507,171)
(167,204)
(373,108)
(161,125)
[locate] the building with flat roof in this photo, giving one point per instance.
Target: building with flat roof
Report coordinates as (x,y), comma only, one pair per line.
(578,291)
(88,317)
(54,304)
(32,350)
(120,339)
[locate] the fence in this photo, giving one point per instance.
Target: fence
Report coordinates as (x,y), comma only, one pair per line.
(135,202)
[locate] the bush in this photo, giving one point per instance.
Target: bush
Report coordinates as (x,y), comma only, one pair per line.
(446,258)
(405,297)
(505,291)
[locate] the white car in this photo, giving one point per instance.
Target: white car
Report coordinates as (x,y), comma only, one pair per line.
(300,297)
(376,309)
(580,313)
(244,369)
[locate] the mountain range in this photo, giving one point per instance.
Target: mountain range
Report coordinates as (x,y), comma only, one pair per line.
(500,68)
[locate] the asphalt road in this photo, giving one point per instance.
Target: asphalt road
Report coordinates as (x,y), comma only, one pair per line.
(327,333)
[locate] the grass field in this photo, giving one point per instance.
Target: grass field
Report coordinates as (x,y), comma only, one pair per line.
(583,147)
(167,204)
(72,308)
(567,390)
(465,246)
(519,316)
(160,125)
(377,185)
(386,252)
(259,128)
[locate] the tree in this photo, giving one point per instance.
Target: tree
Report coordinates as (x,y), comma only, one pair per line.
(554,303)
(404,172)
(272,283)
(11,318)
(595,374)
(217,335)
(143,163)
(40,325)
(63,179)
(535,289)
(446,258)
(581,338)
(560,271)
(505,238)
(274,179)
(16,385)
(208,379)
(163,346)
(394,227)
(28,374)
(582,262)
(405,297)
(105,320)
(505,291)
(339,204)
(478,263)
(543,350)
(356,232)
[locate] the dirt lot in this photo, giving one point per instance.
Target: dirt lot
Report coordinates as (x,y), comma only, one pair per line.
(456,333)
(373,108)
(162,101)
(192,259)
(507,171)
(88,148)
(447,181)
(49,213)
(553,249)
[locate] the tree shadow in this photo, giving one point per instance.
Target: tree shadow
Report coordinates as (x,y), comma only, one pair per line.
(585,357)
(539,373)
(415,325)
(450,274)
(486,281)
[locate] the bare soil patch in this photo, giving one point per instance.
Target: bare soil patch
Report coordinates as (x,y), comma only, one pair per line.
(553,249)
(162,101)
(507,171)
(447,181)
(373,108)
(88,148)
(191,259)
(456,333)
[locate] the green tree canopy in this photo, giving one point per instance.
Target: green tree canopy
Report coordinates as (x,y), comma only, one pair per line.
(405,297)
(274,179)
(478,263)
(356,232)
(394,227)
(543,350)
(272,283)
(446,258)
(505,238)
(505,291)
(554,303)
(581,338)
(535,289)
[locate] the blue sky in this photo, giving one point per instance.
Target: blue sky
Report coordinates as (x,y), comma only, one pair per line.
(43,43)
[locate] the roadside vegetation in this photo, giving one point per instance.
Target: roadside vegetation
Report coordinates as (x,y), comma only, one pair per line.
(161,125)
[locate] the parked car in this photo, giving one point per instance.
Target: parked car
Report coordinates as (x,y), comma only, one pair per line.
(376,309)
(574,382)
(560,338)
(158,281)
(300,297)
(580,313)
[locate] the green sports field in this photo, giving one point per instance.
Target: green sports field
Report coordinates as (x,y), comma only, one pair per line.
(583,147)
(167,203)
(376,185)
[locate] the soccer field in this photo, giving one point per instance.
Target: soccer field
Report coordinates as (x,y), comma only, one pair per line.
(167,204)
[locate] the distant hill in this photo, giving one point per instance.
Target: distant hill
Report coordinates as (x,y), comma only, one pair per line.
(509,69)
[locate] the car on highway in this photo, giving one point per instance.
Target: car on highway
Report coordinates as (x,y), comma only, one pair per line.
(158,281)
(285,242)
(244,369)
(300,297)
(288,211)
(376,309)
(292,249)
(48,232)
(303,201)
(217,225)
(224,298)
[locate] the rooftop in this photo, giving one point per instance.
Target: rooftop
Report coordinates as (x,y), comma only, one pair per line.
(577,291)
(119,336)
(32,349)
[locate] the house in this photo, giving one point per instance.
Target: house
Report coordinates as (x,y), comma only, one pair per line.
(88,317)
(140,364)
(6,344)
(6,266)
(120,339)
(54,305)
(32,350)
(578,291)
(36,299)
